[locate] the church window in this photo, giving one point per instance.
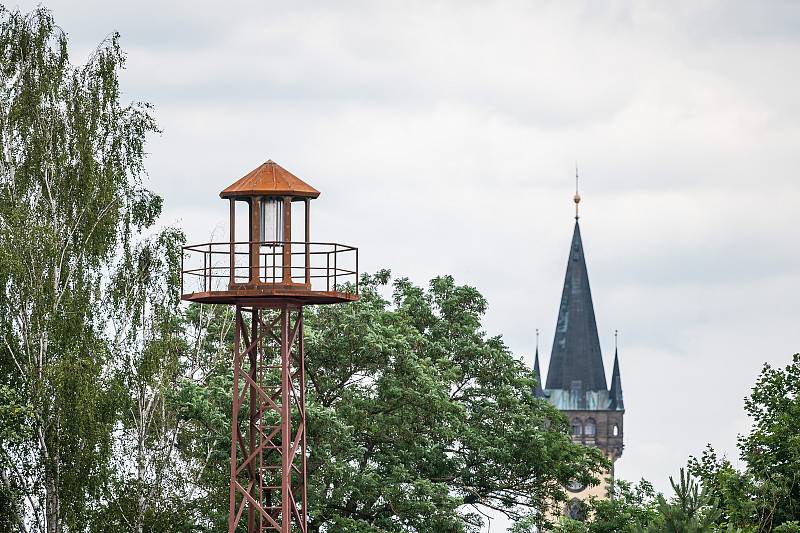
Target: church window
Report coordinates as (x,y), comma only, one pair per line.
(590,428)
(575,486)
(575,510)
(615,430)
(576,394)
(577,427)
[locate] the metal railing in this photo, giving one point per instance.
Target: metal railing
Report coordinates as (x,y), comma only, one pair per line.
(223,266)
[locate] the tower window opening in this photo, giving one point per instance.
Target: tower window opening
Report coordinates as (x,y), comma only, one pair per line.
(575,510)
(577,427)
(590,428)
(576,398)
(615,430)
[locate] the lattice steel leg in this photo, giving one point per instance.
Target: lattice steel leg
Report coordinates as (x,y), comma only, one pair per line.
(269,455)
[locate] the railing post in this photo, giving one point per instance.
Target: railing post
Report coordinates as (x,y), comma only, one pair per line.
(335,265)
(232,245)
(287,239)
(356,271)
(255,237)
(183,254)
(205,273)
(328,271)
(308,243)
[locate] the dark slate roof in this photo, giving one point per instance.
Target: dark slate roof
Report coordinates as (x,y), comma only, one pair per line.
(576,358)
(537,391)
(616,386)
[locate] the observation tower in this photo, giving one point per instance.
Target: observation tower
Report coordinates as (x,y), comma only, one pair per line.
(269,277)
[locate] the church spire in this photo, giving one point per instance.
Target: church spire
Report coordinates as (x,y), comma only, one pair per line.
(576,360)
(615,394)
(577,198)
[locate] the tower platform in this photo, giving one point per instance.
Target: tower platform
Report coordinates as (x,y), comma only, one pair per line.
(301,272)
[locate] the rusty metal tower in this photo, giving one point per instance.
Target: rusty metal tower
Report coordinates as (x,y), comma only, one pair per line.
(269,277)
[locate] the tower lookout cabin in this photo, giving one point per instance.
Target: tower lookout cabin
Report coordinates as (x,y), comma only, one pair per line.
(269,264)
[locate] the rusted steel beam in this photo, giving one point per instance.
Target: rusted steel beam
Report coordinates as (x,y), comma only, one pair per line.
(286,422)
(307,237)
(255,237)
(233,519)
(287,237)
(232,246)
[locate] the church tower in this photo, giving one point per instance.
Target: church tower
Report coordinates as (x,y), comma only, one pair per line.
(576,380)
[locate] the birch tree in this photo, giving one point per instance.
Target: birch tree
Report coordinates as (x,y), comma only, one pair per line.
(149,354)
(71,196)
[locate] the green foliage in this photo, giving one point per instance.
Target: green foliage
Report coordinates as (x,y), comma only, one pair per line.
(732,489)
(692,510)
(772,449)
(14,432)
(766,494)
(629,508)
(569,525)
(70,198)
(428,414)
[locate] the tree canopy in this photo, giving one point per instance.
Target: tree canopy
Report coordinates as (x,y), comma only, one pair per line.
(418,421)
(71,196)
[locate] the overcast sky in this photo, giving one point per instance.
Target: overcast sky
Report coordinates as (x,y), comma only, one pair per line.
(444,135)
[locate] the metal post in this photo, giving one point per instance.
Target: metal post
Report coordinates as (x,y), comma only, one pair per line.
(307,235)
(232,249)
(301,363)
(237,363)
(286,426)
(287,239)
(255,237)
(254,416)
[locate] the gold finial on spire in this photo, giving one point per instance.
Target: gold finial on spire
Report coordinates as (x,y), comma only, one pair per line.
(577,198)
(616,334)
(537,339)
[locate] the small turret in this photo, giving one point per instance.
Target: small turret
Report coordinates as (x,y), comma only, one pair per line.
(615,394)
(538,392)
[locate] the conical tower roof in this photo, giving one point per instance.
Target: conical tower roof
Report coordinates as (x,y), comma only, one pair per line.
(270,179)
(576,359)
